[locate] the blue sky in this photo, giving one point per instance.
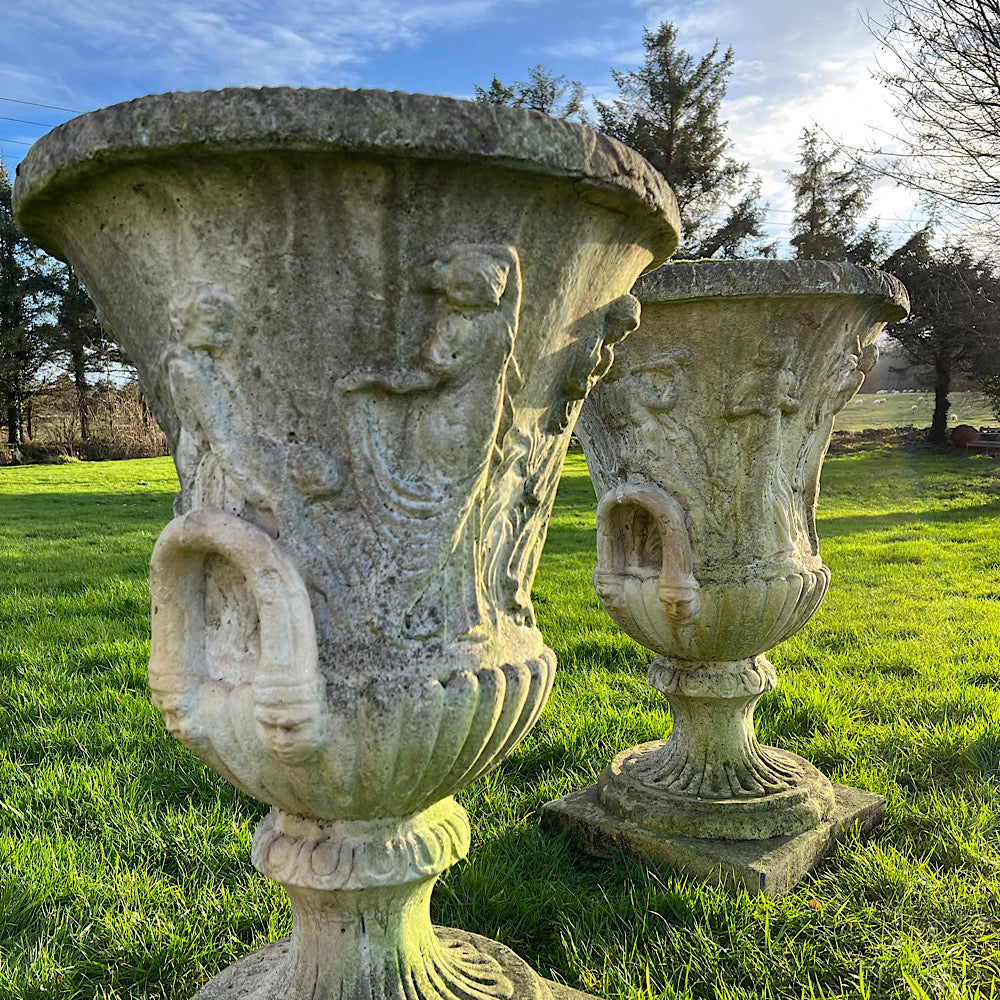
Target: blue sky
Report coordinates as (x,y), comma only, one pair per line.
(797,61)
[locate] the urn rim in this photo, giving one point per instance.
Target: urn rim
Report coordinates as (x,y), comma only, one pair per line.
(379,123)
(729,279)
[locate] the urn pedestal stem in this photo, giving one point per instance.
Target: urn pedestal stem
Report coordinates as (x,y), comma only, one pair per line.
(712,752)
(712,777)
(705,443)
(360,895)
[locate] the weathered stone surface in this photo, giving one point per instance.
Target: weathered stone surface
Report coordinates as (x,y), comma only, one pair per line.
(367,322)
(256,976)
(705,443)
(770,867)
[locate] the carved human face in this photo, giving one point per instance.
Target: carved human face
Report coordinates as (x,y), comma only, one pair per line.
(609,588)
(172,723)
(202,316)
(291,732)
(679,603)
(457,344)
(169,704)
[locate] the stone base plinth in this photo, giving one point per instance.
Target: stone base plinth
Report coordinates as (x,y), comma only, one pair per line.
(259,975)
(769,867)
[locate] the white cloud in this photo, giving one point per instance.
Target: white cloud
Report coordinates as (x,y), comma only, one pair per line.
(181,43)
(607,51)
(797,62)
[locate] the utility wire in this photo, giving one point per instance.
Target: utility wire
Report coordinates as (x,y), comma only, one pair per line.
(35,104)
(24,121)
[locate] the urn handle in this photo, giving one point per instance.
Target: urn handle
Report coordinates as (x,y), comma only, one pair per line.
(287,693)
(642,532)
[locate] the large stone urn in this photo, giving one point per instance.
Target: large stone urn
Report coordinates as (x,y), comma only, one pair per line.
(704,445)
(366,322)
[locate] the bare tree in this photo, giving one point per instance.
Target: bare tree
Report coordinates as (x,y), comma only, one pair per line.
(942,65)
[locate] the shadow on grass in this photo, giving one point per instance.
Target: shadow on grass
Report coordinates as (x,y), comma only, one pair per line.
(42,508)
(836,527)
(573,897)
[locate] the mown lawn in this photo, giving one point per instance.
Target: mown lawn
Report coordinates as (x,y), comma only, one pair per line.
(124,864)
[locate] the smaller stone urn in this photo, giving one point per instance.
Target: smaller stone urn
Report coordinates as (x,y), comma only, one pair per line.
(704,445)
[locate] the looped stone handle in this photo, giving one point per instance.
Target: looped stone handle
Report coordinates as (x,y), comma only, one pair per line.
(618,556)
(287,690)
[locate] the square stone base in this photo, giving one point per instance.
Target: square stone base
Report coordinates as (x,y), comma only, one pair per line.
(769,867)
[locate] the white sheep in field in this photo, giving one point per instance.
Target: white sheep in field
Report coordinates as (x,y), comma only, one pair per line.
(913,409)
(859,402)
(965,409)
(878,402)
(920,399)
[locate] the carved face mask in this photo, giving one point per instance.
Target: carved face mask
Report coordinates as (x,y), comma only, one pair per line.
(679,603)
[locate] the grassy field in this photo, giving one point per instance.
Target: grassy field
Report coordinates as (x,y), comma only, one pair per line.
(901,409)
(125,863)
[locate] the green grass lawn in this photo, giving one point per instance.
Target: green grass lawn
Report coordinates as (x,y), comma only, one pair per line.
(862,414)
(124,863)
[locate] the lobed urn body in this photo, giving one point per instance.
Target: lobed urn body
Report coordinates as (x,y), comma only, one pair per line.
(366,322)
(704,444)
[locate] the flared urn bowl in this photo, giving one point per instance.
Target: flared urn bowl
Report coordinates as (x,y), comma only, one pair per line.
(366,322)
(705,444)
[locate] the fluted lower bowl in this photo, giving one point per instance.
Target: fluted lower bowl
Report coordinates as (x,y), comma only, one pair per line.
(731,622)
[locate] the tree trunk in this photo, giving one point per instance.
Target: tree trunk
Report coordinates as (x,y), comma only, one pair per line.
(28,418)
(942,385)
(13,422)
(82,390)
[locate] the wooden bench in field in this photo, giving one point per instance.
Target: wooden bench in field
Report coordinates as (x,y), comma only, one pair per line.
(988,441)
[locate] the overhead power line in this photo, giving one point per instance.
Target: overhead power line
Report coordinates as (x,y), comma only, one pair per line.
(35,104)
(24,121)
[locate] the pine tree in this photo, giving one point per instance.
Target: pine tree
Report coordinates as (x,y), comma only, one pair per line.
(669,110)
(21,345)
(829,198)
(76,342)
(954,322)
(543,91)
